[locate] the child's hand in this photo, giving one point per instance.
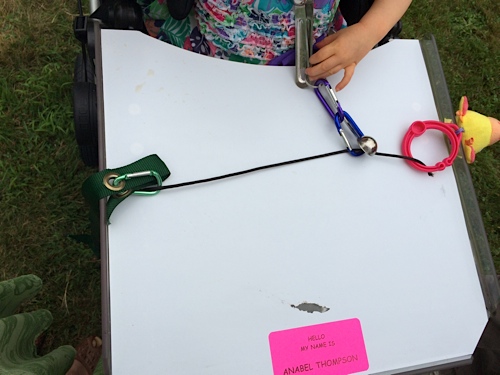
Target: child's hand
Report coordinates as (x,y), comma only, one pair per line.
(346,48)
(341,50)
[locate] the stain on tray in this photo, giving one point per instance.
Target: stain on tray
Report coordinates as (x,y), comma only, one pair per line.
(311,307)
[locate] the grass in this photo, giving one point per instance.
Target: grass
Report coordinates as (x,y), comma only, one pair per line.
(468,38)
(41,172)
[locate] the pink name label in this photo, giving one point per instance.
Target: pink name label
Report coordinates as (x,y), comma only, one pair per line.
(323,349)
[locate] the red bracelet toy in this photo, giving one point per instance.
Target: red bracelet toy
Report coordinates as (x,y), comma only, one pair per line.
(452,131)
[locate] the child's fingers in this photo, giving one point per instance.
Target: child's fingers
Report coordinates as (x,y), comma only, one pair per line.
(322,70)
(348,73)
(324,63)
(326,40)
(326,49)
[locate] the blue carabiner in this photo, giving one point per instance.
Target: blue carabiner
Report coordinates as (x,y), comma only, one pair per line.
(339,116)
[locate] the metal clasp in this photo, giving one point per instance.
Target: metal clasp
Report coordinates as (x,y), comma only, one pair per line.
(304,40)
(118,181)
(332,105)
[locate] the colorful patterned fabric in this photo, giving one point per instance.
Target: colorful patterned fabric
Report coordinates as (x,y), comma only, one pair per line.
(251,31)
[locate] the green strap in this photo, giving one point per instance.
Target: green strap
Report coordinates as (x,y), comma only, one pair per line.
(101,185)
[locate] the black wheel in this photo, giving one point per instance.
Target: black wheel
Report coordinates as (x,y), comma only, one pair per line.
(80,66)
(85,111)
(89,155)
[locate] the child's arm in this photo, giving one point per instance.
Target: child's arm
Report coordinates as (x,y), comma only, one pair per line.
(345,48)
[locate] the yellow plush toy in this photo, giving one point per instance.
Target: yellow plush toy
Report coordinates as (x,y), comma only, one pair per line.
(479,131)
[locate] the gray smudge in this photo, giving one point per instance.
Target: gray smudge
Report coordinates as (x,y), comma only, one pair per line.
(311,307)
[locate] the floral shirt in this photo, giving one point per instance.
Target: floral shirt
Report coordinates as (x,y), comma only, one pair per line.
(252,31)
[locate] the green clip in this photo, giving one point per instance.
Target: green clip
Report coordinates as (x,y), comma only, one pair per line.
(128,176)
(114,185)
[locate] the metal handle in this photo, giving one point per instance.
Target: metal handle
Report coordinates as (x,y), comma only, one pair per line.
(303,41)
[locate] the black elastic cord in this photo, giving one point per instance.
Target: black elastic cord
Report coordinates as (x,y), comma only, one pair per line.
(405,158)
(234,174)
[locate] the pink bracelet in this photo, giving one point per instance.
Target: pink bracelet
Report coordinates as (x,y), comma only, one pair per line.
(418,128)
